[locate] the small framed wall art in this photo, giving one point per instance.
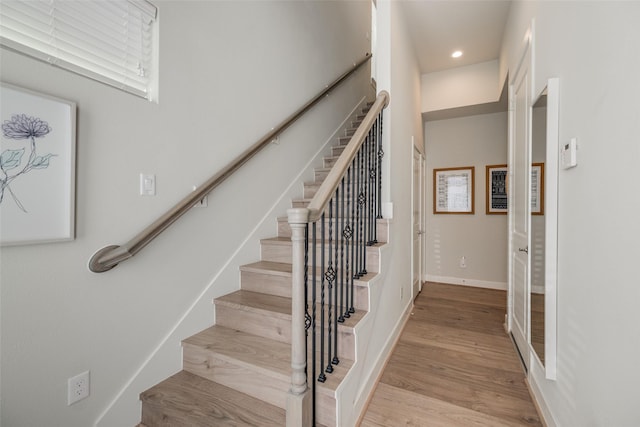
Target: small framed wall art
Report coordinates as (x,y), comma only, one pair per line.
(453,190)
(37,167)
(496,191)
(537,189)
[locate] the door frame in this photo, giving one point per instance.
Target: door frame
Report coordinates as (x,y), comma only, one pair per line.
(421,193)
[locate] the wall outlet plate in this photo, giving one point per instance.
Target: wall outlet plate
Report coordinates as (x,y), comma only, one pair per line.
(78,388)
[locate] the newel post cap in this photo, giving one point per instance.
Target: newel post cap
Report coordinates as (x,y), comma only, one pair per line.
(298,215)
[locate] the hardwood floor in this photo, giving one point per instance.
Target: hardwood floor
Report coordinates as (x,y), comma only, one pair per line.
(454,365)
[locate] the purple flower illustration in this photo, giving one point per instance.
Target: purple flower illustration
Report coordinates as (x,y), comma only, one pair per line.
(22,126)
(19,127)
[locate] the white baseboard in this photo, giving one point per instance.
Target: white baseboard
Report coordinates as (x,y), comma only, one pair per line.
(467,282)
(541,404)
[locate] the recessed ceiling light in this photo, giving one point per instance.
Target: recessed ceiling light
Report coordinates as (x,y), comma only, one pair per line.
(456,54)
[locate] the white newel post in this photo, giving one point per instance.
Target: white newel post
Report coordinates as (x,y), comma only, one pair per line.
(299,398)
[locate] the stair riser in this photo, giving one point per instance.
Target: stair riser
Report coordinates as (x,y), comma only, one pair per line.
(272,389)
(282,253)
(269,388)
(320,174)
(160,415)
(281,286)
(284,230)
(254,323)
(336,150)
(277,329)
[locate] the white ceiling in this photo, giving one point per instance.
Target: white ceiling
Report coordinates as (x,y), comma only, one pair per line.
(439,27)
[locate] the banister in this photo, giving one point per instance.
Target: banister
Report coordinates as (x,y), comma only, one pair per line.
(331,182)
(110,256)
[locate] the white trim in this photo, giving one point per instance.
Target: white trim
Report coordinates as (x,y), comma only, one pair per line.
(467,282)
(541,404)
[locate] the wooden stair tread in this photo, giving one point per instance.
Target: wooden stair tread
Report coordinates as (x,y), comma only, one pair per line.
(286,241)
(284,269)
(275,306)
(187,399)
(254,301)
(269,357)
(269,267)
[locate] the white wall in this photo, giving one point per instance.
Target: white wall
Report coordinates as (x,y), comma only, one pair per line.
(461,87)
(398,73)
(229,72)
(592,47)
(477,141)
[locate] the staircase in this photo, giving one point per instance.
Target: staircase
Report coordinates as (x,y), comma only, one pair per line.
(238,371)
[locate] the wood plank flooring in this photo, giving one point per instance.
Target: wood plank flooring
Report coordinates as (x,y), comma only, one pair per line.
(454,365)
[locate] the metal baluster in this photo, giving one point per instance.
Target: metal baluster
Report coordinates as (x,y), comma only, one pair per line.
(335,359)
(354,236)
(342,245)
(361,206)
(330,277)
(322,378)
(369,186)
(347,234)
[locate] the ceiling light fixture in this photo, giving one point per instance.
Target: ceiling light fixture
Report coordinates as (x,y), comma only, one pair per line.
(456,54)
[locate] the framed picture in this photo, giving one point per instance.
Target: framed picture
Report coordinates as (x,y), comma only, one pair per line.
(496,194)
(37,167)
(453,190)
(537,189)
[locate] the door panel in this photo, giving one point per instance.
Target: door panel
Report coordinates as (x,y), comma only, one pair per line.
(519,205)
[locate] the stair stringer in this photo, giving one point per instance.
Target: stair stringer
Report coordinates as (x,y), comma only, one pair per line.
(166,357)
(372,354)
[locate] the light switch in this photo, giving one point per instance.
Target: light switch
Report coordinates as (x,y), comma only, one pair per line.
(147,184)
(569,154)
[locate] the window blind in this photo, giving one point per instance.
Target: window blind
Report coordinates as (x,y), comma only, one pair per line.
(109,41)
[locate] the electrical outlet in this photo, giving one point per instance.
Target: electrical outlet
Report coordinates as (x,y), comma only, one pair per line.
(463,262)
(401,293)
(78,388)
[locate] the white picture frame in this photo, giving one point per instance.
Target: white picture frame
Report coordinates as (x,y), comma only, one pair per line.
(37,167)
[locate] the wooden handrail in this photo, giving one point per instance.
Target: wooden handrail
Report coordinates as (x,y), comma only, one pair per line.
(330,184)
(110,256)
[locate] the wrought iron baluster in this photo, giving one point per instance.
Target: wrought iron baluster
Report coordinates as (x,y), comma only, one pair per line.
(342,245)
(353,235)
(346,235)
(321,377)
(335,359)
(362,199)
(330,276)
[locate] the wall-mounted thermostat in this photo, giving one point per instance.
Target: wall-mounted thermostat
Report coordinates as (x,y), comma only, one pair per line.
(568,154)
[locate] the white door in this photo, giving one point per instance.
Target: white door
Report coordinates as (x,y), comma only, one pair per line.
(520,206)
(418,220)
